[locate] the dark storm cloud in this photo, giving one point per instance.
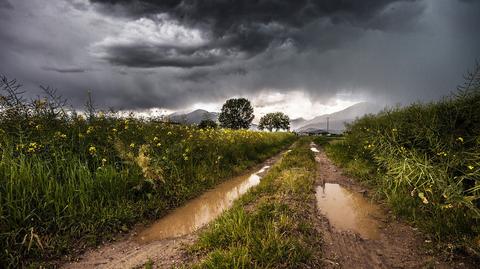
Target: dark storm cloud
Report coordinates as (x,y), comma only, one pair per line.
(146,56)
(141,54)
(5,4)
(237,27)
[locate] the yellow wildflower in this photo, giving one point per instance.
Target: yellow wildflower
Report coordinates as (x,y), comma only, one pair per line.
(20,146)
(92,150)
(422,196)
(442,153)
(89,129)
(132,145)
(470,167)
(155,139)
(60,135)
(460,139)
(32,147)
(104,161)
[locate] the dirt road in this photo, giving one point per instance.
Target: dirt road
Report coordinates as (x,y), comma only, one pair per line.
(164,241)
(357,233)
(388,243)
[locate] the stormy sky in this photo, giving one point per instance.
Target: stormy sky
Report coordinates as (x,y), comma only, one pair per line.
(303,57)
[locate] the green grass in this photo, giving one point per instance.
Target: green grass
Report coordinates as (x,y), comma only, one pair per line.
(270,226)
(424,159)
(69,181)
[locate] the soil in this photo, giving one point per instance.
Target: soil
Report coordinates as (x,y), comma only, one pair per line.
(130,252)
(398,245)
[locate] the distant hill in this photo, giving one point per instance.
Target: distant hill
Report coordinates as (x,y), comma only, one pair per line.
(296,123)
(194,117)
(337,119)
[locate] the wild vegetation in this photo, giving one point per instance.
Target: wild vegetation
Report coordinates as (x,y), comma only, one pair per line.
(276,120)
(271,226)
(69,180)
(237,113)
(425,160)
(207,123)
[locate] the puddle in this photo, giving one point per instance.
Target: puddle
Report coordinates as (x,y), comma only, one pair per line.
(348,210)
(200,211)
(314,149)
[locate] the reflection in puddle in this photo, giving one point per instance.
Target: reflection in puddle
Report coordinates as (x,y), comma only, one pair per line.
(348,210)
(202,210)
(314,149)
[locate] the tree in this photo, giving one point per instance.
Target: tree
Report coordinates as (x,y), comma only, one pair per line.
(207,123)
(236,114)
(277,121)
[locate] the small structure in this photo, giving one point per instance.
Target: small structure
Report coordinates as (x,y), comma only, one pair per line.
(313,131)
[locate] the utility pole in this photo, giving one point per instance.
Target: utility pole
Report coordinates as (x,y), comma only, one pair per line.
(328,119)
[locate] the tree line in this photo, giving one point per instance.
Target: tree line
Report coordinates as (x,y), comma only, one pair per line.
(237,113)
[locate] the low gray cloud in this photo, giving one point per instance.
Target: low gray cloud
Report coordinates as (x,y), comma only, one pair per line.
(147,56)
(5,4)
(66,69)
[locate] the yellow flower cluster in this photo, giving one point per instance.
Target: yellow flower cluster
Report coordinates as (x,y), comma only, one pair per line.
(92,150)
(33,147)
(444,154)
(60,135)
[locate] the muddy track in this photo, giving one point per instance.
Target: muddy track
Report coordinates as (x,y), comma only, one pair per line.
(131,252)
(397,246)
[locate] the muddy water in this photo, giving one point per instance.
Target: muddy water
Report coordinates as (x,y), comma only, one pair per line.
(348,211)
(200,211)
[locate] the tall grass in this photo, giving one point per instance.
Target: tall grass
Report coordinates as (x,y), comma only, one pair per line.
(69,181)
(271,226)
(425,159)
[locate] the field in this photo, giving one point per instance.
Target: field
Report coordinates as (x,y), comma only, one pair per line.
(70,181)
(424,159)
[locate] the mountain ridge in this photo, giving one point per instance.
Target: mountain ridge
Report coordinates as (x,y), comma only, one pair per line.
(337,119)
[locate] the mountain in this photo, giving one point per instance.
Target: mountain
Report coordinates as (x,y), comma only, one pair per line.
(194,117)
(338,119)
(296,123)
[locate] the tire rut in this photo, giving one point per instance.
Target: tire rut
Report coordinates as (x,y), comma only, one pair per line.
(398,246)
